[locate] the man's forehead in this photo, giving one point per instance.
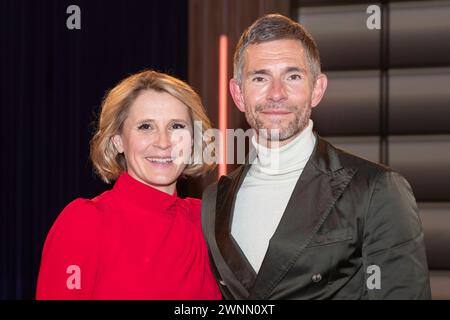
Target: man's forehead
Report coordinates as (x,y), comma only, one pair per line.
(277,52)
(276,46)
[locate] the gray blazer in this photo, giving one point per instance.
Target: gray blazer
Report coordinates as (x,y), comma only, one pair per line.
(351,230)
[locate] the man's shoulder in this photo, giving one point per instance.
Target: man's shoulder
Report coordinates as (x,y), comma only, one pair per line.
(210,191)
(348,160)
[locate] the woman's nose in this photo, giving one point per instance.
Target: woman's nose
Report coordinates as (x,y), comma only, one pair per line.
(163,140)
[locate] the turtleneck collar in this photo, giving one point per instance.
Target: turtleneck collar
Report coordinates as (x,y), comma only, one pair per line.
(145,196)
(289,158)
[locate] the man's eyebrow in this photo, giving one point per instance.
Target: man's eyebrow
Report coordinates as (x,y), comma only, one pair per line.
(258,71)
(295,69)
(267,72)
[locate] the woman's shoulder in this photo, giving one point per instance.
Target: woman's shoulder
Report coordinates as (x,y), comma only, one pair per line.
(74,240)
(80,216)
(81,209)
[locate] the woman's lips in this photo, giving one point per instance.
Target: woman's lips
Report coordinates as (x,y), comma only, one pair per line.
(161,162)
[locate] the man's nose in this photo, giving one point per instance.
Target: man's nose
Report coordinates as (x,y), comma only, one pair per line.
(277,91)
(163,140)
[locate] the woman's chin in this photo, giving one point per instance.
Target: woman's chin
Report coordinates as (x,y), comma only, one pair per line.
(161,181)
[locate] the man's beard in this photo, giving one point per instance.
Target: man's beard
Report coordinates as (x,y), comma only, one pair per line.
(279,129)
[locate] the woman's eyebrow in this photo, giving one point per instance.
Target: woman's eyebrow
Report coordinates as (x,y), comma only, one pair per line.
(145,120)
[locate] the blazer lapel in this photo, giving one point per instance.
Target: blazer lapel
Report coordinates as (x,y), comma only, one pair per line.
(232,254)
(321,183)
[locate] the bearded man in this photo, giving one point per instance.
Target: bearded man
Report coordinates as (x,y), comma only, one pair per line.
(318,223)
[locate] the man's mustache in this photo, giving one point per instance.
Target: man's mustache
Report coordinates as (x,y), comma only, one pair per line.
(262,107)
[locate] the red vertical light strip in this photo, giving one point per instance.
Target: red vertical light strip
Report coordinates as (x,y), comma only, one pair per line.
(223,77)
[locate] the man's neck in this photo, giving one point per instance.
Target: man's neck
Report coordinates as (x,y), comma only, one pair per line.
(289,157)
(275,144)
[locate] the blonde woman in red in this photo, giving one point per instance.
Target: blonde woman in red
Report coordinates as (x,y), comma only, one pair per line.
(139,240)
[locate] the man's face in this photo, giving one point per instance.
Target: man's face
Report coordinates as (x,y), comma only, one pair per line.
(277,90)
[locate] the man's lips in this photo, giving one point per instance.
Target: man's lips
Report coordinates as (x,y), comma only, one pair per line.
(276,112)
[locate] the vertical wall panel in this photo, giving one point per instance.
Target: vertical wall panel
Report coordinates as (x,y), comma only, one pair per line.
(342,35)
(419,100)
(419,33)
(425,162)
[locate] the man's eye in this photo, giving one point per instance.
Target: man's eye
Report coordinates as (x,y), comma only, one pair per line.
(258,79)
(178,126)
(145,126)
(295,77)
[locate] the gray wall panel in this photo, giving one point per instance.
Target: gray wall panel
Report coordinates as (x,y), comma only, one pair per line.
(425,162)
(419,33)
(435,218)
(350,105)
(419,101)
(342,35)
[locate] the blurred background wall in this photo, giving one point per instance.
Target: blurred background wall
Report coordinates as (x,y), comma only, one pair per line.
(388,99)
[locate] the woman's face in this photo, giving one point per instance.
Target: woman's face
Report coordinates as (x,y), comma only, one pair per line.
(156,139)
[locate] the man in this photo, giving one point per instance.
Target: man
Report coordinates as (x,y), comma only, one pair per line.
(320,223)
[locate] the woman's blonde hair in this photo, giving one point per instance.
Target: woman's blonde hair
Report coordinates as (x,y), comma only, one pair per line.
(107,161)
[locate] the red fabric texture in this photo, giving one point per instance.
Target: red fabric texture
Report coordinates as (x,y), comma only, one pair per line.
(132,242)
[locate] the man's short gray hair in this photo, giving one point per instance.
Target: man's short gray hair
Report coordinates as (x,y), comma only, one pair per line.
(272,27)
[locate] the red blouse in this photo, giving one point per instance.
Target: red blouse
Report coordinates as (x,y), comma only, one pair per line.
(132,242)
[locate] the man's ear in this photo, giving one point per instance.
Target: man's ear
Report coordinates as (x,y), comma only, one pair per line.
(319,89)
(118,144)
(236,94)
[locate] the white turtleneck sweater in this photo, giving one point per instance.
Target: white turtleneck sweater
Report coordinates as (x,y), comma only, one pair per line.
(265,192)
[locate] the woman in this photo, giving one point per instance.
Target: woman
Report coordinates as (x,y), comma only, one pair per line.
(138,240)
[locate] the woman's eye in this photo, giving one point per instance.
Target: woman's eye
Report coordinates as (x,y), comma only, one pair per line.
(144,126)
(178,126)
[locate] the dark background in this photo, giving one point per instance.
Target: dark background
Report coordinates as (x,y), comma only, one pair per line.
(52,82)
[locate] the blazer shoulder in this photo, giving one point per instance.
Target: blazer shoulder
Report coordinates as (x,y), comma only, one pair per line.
(372,172)
(349,160)
(235,172)
(211,187)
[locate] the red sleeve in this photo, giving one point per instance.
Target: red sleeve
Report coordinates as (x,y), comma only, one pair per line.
(70,255)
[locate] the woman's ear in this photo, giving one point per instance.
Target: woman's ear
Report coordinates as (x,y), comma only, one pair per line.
(118,144)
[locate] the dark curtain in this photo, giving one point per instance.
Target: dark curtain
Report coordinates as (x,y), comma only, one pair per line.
(52,81)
